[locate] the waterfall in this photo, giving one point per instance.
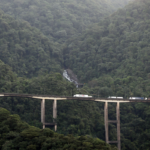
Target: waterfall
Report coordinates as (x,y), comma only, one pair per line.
(65,75)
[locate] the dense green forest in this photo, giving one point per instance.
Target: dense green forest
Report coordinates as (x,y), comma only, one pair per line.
(18,135)
(61,19)
(111,57)
(74,117)
(26,49)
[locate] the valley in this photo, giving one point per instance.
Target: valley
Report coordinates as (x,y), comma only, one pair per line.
(104,43)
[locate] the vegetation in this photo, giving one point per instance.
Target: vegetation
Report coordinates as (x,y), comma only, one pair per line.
(60,19)
(16,135)
(113,55)
(26,49)
(74,117)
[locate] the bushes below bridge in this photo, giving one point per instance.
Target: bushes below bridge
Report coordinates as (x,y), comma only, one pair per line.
(16,134)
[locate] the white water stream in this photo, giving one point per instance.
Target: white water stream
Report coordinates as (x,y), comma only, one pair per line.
(65,75)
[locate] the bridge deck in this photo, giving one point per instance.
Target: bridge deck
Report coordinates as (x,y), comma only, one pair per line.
(51,97)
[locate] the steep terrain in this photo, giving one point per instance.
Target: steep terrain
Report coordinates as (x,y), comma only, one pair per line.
(16,134)
(116,51)
(61,19)
(26,49)
(111,58)
(74,117)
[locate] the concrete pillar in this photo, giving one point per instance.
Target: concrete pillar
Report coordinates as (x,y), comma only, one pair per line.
(118,125)
(43,112)
(106,121)
(55,113)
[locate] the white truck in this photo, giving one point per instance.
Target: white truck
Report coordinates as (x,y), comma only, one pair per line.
(81,95)
(115,97)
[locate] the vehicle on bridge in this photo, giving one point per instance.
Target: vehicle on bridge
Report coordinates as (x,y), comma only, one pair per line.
(81,95)
(140,98)
(115,97)
(132,98)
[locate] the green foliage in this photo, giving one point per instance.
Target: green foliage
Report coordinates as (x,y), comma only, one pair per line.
(113,55)
(7,78)
(26,49)
(32,138)
(59,20)
(74,117)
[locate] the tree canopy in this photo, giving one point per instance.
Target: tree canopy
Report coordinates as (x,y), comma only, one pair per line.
(114,53)
(61,19)
(16,134)
(26,49)
(111,57)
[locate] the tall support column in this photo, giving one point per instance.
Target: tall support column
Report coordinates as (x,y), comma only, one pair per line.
(43,112)
(118,125)
(55,113)
(106,121)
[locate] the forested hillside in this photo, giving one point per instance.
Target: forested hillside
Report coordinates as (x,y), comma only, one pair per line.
(61,19)
(74,117)
(16,134)
(116,52)
(26,49)
(111,57)
(48,83)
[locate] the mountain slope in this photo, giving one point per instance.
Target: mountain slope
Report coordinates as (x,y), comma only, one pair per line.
(16,134)
(117,47)
(26,49)
(74,117)
(61,19)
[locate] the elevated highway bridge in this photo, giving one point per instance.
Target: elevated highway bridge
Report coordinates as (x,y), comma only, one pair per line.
(52,97)
(56,98)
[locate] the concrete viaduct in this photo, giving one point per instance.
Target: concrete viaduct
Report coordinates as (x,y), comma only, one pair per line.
(56,98)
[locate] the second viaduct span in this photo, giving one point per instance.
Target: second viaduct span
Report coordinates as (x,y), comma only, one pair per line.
(56,98)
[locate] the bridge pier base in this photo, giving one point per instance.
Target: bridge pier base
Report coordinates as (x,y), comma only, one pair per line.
(112,121)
